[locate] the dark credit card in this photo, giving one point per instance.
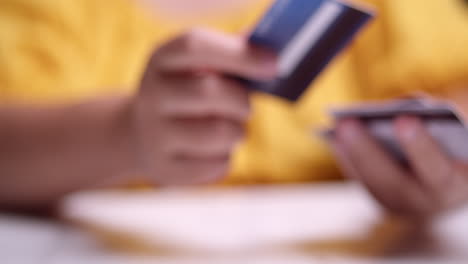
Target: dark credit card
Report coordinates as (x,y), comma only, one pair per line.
(306,35)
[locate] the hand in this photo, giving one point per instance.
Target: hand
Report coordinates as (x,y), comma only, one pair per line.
(434,183)
(188,116)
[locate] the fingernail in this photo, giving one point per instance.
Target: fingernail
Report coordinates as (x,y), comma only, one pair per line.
(268,63)
(350,130)
(408,127)
(267,56)
(269,69)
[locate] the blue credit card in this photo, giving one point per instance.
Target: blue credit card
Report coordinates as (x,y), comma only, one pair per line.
(306,35)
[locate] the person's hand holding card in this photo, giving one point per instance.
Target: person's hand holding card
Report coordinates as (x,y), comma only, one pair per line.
(409,167)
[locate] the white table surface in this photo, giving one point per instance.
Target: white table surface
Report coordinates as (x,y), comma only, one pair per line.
(335,223)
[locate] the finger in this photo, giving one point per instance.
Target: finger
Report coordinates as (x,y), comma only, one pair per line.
(188,171)
(204,96)
(383,176)
(346,166)
(432,167)
(456,194)
(203,138)
(202,49)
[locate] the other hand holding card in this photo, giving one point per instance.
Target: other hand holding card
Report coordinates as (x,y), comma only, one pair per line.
(408,168)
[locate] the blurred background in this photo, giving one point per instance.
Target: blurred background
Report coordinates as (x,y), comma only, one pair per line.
(284,199)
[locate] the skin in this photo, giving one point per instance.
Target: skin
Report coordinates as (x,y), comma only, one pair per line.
(180,128)
(434,184)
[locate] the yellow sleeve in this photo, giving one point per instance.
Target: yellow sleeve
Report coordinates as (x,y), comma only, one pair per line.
(68,50)
(413,46)
(417,45)
(71,50)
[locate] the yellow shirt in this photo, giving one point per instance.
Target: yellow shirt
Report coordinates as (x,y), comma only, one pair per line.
(69,50)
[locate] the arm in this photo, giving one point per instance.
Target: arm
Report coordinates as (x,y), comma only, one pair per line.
(47,152)
(180,128)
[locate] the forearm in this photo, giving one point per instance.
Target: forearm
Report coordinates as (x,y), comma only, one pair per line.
(48,152)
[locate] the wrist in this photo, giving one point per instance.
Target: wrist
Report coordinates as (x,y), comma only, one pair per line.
(121,143)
